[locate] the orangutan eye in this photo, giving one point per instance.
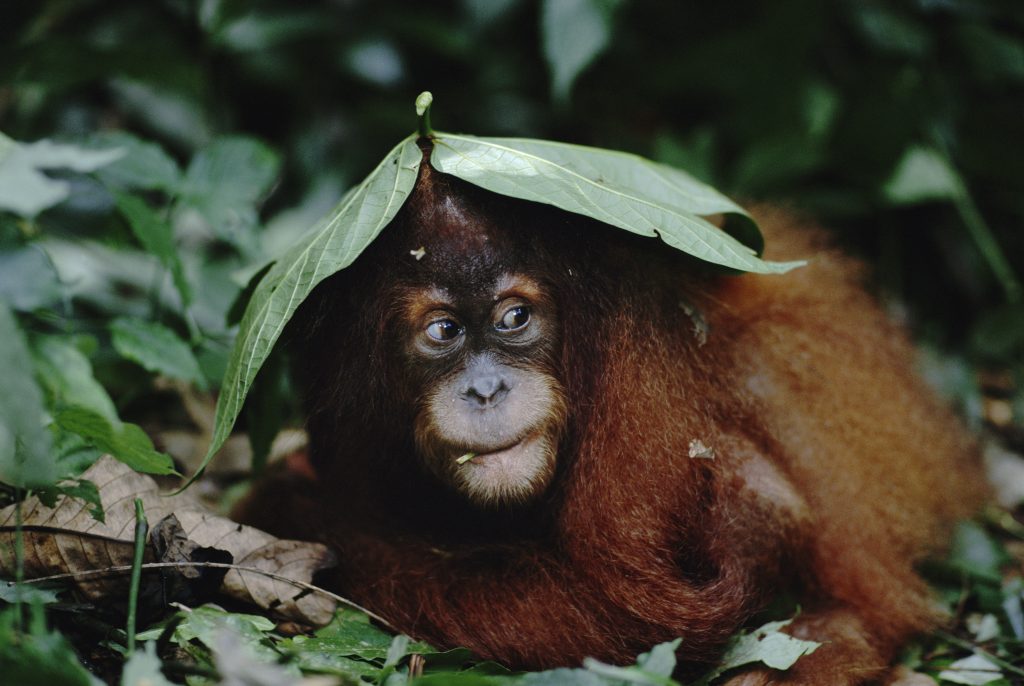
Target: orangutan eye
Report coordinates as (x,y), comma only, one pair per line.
(514,318)
(444,330)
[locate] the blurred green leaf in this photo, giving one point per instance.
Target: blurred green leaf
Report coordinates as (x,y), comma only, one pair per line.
(922,175)
(144,164)
(157,348)
(891,30)
(225,181)
(68,379)
(772,162)
(143,668)
(574,32)
(329,247)
(206,622)
(13,592)
(616,188)
(127,442)
(26,456)
(999,333)
(24,189)
(28,279)
(38,656)
(974,670)
(994,55)
(157,237)
(976,552)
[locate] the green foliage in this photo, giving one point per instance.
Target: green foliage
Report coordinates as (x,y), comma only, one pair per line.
(143,669)
(616,188)
(35,655)
(26,458)
(25,189)
(157,348)
(574,33)
(167,151)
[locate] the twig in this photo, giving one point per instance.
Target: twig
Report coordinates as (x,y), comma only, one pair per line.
(121,569)
(141,530)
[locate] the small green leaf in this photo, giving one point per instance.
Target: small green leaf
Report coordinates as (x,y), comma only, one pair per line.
(661,659)
(143,669)
(922,175)
(12,592)
(127,442)
(26,455)
(67,377)
(82,489)
(975,551)
(351,634)
(331,246)
(974,670)
(767,645)
(156,348)
(24,189)
(574,32)
(616,188)
(28,279)
(157,237)
(144,165)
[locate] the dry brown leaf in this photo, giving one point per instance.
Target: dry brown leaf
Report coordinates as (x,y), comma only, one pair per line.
(66,539)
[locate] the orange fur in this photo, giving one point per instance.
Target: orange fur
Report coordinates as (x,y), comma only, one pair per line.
(835,470)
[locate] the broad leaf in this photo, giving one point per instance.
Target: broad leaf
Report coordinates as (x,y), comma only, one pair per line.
(26,458)
(68,379)
(144,165)
(24,189)
(225,181)
(127,442)
(156,348)
(329,247)
(613,187)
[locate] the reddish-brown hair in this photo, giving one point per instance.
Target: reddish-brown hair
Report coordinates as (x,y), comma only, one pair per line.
(834,469)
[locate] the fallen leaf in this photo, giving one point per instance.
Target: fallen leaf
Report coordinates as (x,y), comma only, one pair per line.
(65,538)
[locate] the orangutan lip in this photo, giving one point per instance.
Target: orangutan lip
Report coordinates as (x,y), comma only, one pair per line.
(480,458)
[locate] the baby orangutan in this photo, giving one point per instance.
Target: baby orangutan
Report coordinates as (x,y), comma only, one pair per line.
(544,439)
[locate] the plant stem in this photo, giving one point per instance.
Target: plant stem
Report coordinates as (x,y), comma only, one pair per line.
(423,102)
(982,235)
(141,529)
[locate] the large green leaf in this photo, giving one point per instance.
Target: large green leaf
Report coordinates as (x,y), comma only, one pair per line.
(329,247)
(616,188)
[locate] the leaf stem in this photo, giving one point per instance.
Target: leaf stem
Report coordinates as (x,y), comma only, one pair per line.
(423,102)
(989,247)
(141,529)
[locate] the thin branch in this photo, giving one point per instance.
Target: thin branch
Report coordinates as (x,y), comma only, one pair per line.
(121,569)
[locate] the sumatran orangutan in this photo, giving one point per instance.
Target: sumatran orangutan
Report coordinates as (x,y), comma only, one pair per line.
(543,439)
